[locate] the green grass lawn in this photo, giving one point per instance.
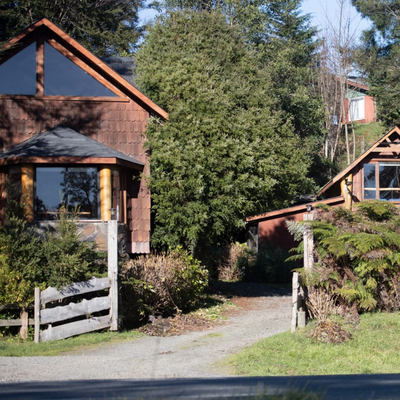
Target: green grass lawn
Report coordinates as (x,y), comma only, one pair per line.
(15,347)
(375,348)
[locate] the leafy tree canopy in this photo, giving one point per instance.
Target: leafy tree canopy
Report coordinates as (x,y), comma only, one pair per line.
(227,151)
(379,55)
(105,27)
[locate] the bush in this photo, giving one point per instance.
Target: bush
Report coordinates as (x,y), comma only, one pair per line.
(269,265)
(160,284)
(28,260)
(357,256)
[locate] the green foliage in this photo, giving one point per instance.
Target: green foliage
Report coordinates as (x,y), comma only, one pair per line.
(227,151)
(160,284)
(357,255)
(28,261)
(107,27)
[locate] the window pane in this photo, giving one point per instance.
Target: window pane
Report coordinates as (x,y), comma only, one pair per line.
(49,193)
(369,194)
(369,176)
(72,187)
(82,188)
(389,175)
(62,77)
(391,195)
(18,74)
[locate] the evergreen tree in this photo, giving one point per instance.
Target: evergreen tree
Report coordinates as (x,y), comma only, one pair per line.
(379,54)
(105,27)
(226,152)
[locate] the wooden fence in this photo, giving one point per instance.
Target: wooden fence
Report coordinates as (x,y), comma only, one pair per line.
(49,316)
(78,316)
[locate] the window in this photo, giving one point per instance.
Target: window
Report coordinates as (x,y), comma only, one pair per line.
(18,74)
(357,109)
(382,181)
(62,77)
(67,186)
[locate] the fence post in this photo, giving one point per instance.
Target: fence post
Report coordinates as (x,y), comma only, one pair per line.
(308,243)
(112,247)
(295,290)
(24,324)
(37,314)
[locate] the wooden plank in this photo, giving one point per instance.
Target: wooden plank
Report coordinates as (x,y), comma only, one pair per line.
(389,149)
(93,284)
(72,310)
(15,322)
(75,328)
(112,257)
(37,314)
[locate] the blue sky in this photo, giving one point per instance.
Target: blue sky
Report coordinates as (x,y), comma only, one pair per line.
(320,10)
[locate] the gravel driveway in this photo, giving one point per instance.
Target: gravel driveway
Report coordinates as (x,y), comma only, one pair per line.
(189,355)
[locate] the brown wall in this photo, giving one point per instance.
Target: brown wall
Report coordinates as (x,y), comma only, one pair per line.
(117,124)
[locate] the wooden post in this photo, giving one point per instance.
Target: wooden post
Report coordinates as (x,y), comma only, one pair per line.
(27,174)
(113,271)
(308,243)
(105,193)
(346,187)
(24,324)
(37,315)
(295,289)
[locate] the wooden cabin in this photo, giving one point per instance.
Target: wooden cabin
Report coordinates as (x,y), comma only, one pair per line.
(72,133)
(375,175)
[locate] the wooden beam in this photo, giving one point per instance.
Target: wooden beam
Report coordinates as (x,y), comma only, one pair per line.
(40,68)
(105,193)
(394,148)
(27,174)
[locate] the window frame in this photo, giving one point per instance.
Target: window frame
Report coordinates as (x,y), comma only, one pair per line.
(378,189)
(120,96)
(50,215)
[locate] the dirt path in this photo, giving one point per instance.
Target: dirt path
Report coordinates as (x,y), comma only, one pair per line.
(261,313)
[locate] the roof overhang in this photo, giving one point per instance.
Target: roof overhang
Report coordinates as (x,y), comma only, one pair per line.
(283,212)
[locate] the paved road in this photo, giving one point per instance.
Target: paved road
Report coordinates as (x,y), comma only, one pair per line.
(345,387)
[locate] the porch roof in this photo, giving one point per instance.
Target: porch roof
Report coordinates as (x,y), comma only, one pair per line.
(63,144)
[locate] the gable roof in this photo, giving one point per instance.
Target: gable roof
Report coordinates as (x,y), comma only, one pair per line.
(383,145)
(98,65)
(63,144)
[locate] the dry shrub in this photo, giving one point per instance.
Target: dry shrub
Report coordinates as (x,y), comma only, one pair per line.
(231,267)
(330,332)
(320,303)
(160,284)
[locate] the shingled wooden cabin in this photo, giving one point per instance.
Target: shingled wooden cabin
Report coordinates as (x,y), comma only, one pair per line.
(72,132)
(375,175)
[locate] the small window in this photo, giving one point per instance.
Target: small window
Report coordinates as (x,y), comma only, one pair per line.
(18,74)
(72,187)
(357,109)
(62,77)
(369,182)
(389,181)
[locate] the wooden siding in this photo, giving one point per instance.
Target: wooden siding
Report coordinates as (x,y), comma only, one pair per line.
(119,125)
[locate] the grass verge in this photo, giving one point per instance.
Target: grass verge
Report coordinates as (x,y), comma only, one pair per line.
(375,348)
(15,347)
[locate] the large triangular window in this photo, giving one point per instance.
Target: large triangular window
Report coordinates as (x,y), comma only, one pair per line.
(22,74)
(62,77)
(18,74)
